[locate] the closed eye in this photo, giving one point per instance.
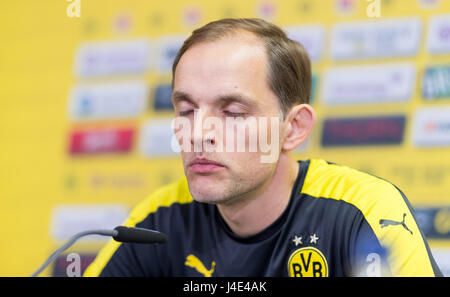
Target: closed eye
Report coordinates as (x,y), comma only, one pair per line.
(234,114)
(185,112)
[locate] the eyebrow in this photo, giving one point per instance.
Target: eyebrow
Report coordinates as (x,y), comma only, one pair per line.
(178,96)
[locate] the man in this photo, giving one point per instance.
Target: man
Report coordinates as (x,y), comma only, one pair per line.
(237,213)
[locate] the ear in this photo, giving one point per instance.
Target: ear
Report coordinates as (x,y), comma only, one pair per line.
(299,123)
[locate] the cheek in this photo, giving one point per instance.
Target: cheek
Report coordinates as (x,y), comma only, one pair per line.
(255,135)
(241,137)
(248,170)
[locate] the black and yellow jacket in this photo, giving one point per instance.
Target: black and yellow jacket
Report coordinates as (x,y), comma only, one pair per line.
(339,222)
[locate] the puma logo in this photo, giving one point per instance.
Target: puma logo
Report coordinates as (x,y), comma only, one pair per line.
(194,262)
(385,223)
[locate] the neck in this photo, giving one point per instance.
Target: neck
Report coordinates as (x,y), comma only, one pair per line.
(263,206)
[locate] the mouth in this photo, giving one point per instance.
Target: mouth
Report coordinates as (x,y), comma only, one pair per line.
(202,165)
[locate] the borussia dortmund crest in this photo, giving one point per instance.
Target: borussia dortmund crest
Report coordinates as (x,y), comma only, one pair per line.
(307,262)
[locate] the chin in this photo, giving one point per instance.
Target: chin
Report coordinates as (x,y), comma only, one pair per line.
(208,200)
(210,195)
(205,196)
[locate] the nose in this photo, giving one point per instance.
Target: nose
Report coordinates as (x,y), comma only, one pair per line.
(203,138)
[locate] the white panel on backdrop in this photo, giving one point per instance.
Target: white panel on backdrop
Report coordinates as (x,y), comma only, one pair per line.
(124,99)
(438,35)
(369,84)
(310,36)
(376,39)
(166,49)
(69,219)
(107,58)
(432,126)
(157,139)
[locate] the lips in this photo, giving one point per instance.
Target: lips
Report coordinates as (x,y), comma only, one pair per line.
(201,165)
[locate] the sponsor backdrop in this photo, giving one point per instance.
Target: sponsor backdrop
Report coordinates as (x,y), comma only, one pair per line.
(85,108)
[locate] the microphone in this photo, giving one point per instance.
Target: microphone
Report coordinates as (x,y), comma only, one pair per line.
(120,234)
(138,235)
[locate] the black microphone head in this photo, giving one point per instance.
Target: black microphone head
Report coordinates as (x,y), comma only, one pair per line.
(138,235)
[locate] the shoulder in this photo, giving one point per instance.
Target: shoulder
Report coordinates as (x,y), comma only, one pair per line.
(383,206)
(374,197)
(363,190)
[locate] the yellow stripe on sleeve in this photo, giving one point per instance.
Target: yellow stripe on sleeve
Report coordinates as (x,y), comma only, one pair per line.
(377,200)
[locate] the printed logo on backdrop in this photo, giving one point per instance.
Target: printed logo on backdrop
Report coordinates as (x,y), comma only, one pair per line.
(429,4)
(122,23)
(305,6)
(155,19)
(310,36)
(438,35)
(163,97)
(166,50)
(433,221)
(192,16)
(89,25)
(376,39)
(436,82)
(71,181)
(108,101)
(229,11)
(381,130)
(101,140)
(116,181)
(95,59)
(432,126)
(369,84)
(431,175)
(157,139)
(266,9)
(345,7)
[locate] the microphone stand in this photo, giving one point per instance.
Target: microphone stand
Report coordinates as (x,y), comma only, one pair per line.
(103,232)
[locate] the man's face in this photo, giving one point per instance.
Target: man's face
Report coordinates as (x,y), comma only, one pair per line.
(224,80)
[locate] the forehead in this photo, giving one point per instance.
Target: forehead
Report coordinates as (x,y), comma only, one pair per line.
(231,64)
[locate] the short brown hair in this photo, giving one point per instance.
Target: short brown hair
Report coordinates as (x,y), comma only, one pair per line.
(289,64)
